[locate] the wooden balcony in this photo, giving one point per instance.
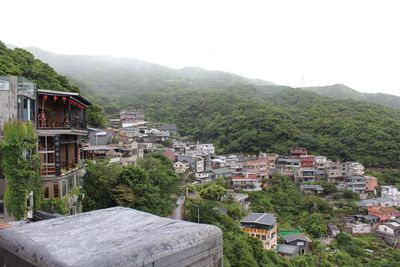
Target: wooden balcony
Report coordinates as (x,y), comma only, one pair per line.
(64,124)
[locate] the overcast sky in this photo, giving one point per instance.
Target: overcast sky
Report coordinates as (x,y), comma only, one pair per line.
(295,43)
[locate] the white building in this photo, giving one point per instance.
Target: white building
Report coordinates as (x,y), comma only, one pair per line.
(354,168)
(181,167)
(361,228)
(206,149)
(390,228)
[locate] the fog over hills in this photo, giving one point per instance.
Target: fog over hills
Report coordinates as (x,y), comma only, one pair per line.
(340,91)
(105,75)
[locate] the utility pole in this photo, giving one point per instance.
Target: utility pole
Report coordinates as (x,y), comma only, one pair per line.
(198,213)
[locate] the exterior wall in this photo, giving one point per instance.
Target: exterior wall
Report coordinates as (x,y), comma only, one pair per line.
(247,184)
(267,237)
(361,229)
(385,229)
(181,167)
(371,183)
(170,154)
(302,245)
(8,101)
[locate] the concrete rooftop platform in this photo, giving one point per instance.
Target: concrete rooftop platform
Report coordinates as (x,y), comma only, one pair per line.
(111,237)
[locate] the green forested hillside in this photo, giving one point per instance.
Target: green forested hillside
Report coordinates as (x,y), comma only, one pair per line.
(345,130)
(340,91)
(20,62)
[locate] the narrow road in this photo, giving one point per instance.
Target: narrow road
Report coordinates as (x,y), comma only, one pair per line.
(177,214)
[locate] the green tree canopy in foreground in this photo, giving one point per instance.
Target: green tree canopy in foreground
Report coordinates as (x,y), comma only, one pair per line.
(151,186)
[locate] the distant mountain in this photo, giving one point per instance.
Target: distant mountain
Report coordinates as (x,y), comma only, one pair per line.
(106,74)
(340,91)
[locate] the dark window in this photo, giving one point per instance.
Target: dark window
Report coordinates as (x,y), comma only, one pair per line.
(46,192)
(1,208)
(56,190)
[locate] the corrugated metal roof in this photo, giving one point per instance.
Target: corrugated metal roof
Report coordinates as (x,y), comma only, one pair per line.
(286,249)
(260,218)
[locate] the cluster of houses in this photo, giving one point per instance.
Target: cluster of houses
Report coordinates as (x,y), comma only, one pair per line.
(250,173)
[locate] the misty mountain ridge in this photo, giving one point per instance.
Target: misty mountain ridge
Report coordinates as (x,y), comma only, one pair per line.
(119,76)
(122,75)
(343,92)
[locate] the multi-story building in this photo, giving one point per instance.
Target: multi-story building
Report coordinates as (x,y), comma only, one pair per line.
(288,166)
(307,161)
(353,168)
(205,148)
(262,226)
(61,128)
(246,181)
(271,159)
(306,174)
(321,162)
(355,183)
(257,165)
(298,151)
(131,117)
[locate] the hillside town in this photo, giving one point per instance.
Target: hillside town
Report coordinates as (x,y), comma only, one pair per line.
(65,142)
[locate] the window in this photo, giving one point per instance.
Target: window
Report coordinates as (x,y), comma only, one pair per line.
(46,192)
(64,188)
(264,237)
(56,190)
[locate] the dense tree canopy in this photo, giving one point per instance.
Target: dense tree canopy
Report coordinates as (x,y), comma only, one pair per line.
(150,186)
(252,121)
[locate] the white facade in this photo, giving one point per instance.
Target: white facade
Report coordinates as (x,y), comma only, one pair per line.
(389,228)
(389,191)
(203,177)
(361,228)
(181,167)
(354,168)
(205,148)
(246,184)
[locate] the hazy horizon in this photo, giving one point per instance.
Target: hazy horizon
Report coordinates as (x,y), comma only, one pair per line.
(294,43)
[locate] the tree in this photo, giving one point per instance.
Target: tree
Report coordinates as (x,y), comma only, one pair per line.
(98,182)
(20,163)
(213,192)
(94,116)
(314,224)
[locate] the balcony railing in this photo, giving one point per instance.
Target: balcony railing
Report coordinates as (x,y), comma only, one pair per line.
(49,169)
(66,124)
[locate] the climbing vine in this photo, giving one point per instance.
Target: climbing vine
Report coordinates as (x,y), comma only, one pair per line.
(20,163)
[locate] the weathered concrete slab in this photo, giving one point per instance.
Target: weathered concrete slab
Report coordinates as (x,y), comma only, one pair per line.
(112,237)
